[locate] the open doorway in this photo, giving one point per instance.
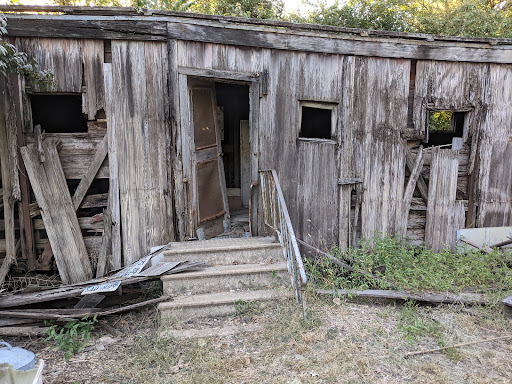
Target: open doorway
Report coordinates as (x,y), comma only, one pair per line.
(221,164)
(233,119)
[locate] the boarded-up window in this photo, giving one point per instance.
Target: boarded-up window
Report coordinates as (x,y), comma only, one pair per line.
(317,120)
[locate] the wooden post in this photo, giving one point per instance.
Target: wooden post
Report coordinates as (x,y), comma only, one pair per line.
(8,198)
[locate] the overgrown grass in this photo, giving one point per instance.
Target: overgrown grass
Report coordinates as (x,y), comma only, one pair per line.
(386,262)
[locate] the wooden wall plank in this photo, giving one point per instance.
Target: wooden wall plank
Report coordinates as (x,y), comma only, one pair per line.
(113,190)
(494,178)
(317,189)
(139,87)
(63,57)
(51,191)
(380,95)
(8,145)
(443,213)
(93,99)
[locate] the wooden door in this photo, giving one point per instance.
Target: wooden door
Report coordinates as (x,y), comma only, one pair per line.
(210,183)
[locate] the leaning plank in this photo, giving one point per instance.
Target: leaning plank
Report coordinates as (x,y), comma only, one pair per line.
(409,190)
(86,181)
(456,346)
(421,185)
(51,192)
(427,297)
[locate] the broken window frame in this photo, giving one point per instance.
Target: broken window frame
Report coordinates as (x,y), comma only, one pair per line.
(319,105)
(467,120)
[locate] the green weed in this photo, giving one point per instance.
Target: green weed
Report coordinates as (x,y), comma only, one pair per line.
(387,262)
(72,337)
(246,309)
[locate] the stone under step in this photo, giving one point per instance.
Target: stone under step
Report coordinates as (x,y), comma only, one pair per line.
(253,250)
(227,277)
(185,308)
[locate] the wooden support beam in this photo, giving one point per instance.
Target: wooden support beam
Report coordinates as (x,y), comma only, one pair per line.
(25,220)
(86,181)
(409,189)
(113,190)
(420,184)
(51,191)
(8,198)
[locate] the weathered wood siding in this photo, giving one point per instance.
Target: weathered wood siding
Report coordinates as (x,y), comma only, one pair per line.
(485,91)
(494,184)
(376,115)
(139,96)
(370,98)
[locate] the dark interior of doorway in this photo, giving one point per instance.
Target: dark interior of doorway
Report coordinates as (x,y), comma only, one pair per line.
(233,112)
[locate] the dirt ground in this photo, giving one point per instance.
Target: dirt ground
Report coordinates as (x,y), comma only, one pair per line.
(340,342)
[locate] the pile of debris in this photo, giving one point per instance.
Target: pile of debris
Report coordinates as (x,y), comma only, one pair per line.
(26,312)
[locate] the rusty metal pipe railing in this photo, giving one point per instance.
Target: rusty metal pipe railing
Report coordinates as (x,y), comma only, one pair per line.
(277,218)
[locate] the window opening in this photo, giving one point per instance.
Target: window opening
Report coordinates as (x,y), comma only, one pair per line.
(316,121)
(58,113)
(444,126)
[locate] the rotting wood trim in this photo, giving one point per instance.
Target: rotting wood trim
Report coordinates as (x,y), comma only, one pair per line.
(334,44)
(150,28)
(88,28)
(122,11)
(88,178)
(218,74)
(349,181)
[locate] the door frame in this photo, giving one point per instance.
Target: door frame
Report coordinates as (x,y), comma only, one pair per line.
(189,200)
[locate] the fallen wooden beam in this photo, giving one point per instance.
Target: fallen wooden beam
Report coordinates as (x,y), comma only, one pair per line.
(23,331)
(456,346)
(52,195)
(427,297)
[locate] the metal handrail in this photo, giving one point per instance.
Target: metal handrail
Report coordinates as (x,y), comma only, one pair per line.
(277,218)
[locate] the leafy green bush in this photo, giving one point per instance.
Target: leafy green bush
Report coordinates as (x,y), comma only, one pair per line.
(72,337)
(387,262)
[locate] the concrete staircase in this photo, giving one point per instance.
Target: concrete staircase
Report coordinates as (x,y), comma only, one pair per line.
(247,269)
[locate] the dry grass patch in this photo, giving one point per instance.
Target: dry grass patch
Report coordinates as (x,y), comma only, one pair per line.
(340,342)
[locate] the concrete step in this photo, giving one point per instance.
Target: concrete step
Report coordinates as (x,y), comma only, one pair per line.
(252,250)
(227,277)
(185,308)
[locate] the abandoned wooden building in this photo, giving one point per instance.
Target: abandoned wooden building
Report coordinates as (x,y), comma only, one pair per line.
(158,124)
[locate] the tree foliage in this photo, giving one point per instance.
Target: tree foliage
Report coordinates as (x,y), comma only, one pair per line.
(260,9)
(479,18)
